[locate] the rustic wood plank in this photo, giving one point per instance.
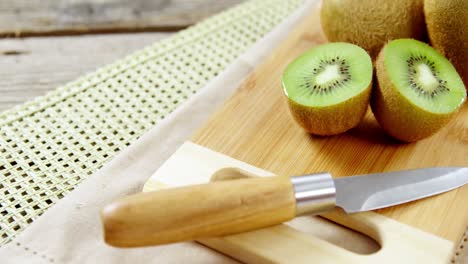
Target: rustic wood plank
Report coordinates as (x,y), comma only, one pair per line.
(39,17)
(30,67)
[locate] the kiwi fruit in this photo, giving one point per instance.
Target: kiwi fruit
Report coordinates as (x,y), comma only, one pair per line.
(328,87)
(418,91)
(447,27)
(370,24)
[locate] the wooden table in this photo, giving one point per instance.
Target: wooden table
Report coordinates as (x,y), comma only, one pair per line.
(47,43)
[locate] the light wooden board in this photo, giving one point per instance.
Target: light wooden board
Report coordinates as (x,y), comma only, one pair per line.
(291,243)
(255,126)
(30,67)
(40,17)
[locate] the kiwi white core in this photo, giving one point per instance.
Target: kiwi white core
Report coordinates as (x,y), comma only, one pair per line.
(329,74)
(426,77)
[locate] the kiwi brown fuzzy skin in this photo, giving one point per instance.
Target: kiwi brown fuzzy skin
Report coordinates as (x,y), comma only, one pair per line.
(370,24)
(447,26)
(399,117)
(333,119)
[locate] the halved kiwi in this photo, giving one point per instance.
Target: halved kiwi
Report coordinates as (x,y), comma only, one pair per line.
(418,90)
(328,87)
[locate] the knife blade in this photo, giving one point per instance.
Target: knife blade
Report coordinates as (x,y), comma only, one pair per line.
(235,206)
(379,190)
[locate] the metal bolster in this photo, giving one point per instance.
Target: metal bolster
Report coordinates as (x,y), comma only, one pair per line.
(314,193)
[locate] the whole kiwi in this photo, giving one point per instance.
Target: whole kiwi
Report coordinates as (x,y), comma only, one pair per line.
(370,24)
(447,26)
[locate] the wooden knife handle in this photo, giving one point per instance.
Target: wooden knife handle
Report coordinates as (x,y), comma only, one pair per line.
(199,211)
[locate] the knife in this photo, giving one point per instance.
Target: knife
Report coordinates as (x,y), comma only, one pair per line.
(234,206)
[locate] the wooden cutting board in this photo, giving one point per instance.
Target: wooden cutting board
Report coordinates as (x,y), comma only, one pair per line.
(304,239)
(255,126)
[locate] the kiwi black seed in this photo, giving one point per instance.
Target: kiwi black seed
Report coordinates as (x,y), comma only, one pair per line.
(328,87)
(312,88)
(412,62)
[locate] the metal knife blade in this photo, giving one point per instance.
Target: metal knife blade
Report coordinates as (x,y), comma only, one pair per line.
(378,190)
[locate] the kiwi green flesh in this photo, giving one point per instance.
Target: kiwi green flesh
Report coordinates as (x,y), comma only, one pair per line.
(423,76)
(327,75)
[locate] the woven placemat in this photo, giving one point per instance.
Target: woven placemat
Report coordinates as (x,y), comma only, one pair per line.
(51,144)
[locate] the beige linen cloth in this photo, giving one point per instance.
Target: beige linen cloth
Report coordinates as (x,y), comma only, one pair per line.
(71,232)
